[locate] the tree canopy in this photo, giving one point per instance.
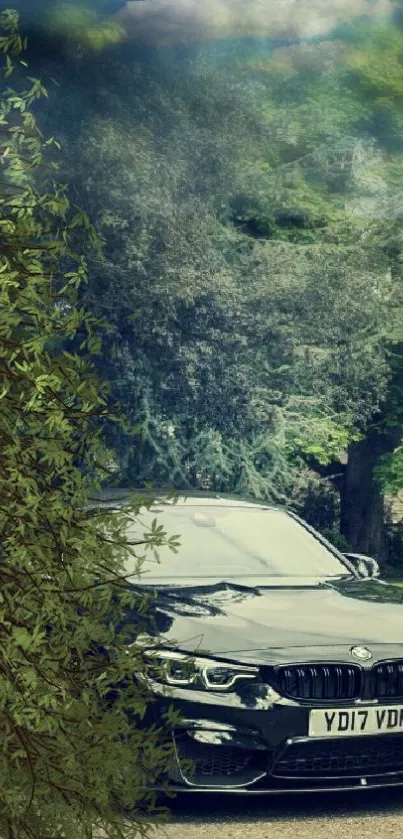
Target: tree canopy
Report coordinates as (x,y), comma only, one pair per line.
(248,201)
(247,304)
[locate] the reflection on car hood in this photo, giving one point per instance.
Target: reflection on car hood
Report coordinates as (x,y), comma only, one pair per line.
(253,624)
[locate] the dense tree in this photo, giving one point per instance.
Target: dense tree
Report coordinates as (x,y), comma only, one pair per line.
(221,260)
(249,211)
(68,757)
(372,72)
(354,102)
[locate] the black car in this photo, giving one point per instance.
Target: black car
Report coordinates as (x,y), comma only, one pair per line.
(284,657)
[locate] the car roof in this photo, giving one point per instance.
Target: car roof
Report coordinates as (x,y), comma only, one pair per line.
(121,496)
(212,501)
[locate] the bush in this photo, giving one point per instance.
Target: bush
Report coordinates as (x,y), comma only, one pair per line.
(67,756)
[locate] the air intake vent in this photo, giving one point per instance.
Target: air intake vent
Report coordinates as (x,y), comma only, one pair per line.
(355,756)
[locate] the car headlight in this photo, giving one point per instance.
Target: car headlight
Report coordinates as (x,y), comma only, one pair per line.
(180,670)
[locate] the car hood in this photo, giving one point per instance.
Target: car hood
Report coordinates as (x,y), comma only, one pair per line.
(261,625)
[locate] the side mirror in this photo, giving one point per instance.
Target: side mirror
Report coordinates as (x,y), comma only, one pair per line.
(365,565)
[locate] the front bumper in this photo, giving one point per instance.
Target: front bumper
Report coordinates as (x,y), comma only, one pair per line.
(256,742)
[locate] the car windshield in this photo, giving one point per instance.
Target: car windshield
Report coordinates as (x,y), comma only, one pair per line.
(229,542)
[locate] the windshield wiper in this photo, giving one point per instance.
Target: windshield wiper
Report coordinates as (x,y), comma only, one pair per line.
(231,586)
(217,584)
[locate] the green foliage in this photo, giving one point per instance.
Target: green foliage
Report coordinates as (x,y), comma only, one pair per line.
(250,218)
(68,754)
(81,23)
(246,306)
(376,64)
(390,471)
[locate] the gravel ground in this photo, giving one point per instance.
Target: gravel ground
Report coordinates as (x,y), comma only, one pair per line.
(367,815)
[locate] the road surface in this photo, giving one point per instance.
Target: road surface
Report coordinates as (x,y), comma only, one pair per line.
(367,815)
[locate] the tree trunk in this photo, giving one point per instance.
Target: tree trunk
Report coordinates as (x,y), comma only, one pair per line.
(362,501)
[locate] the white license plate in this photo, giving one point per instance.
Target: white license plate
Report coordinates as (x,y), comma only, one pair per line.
(350,722)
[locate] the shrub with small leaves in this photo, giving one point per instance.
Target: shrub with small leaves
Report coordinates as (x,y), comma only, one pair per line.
(68,756)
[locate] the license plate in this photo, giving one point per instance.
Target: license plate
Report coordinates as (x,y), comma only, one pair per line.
(351,722)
